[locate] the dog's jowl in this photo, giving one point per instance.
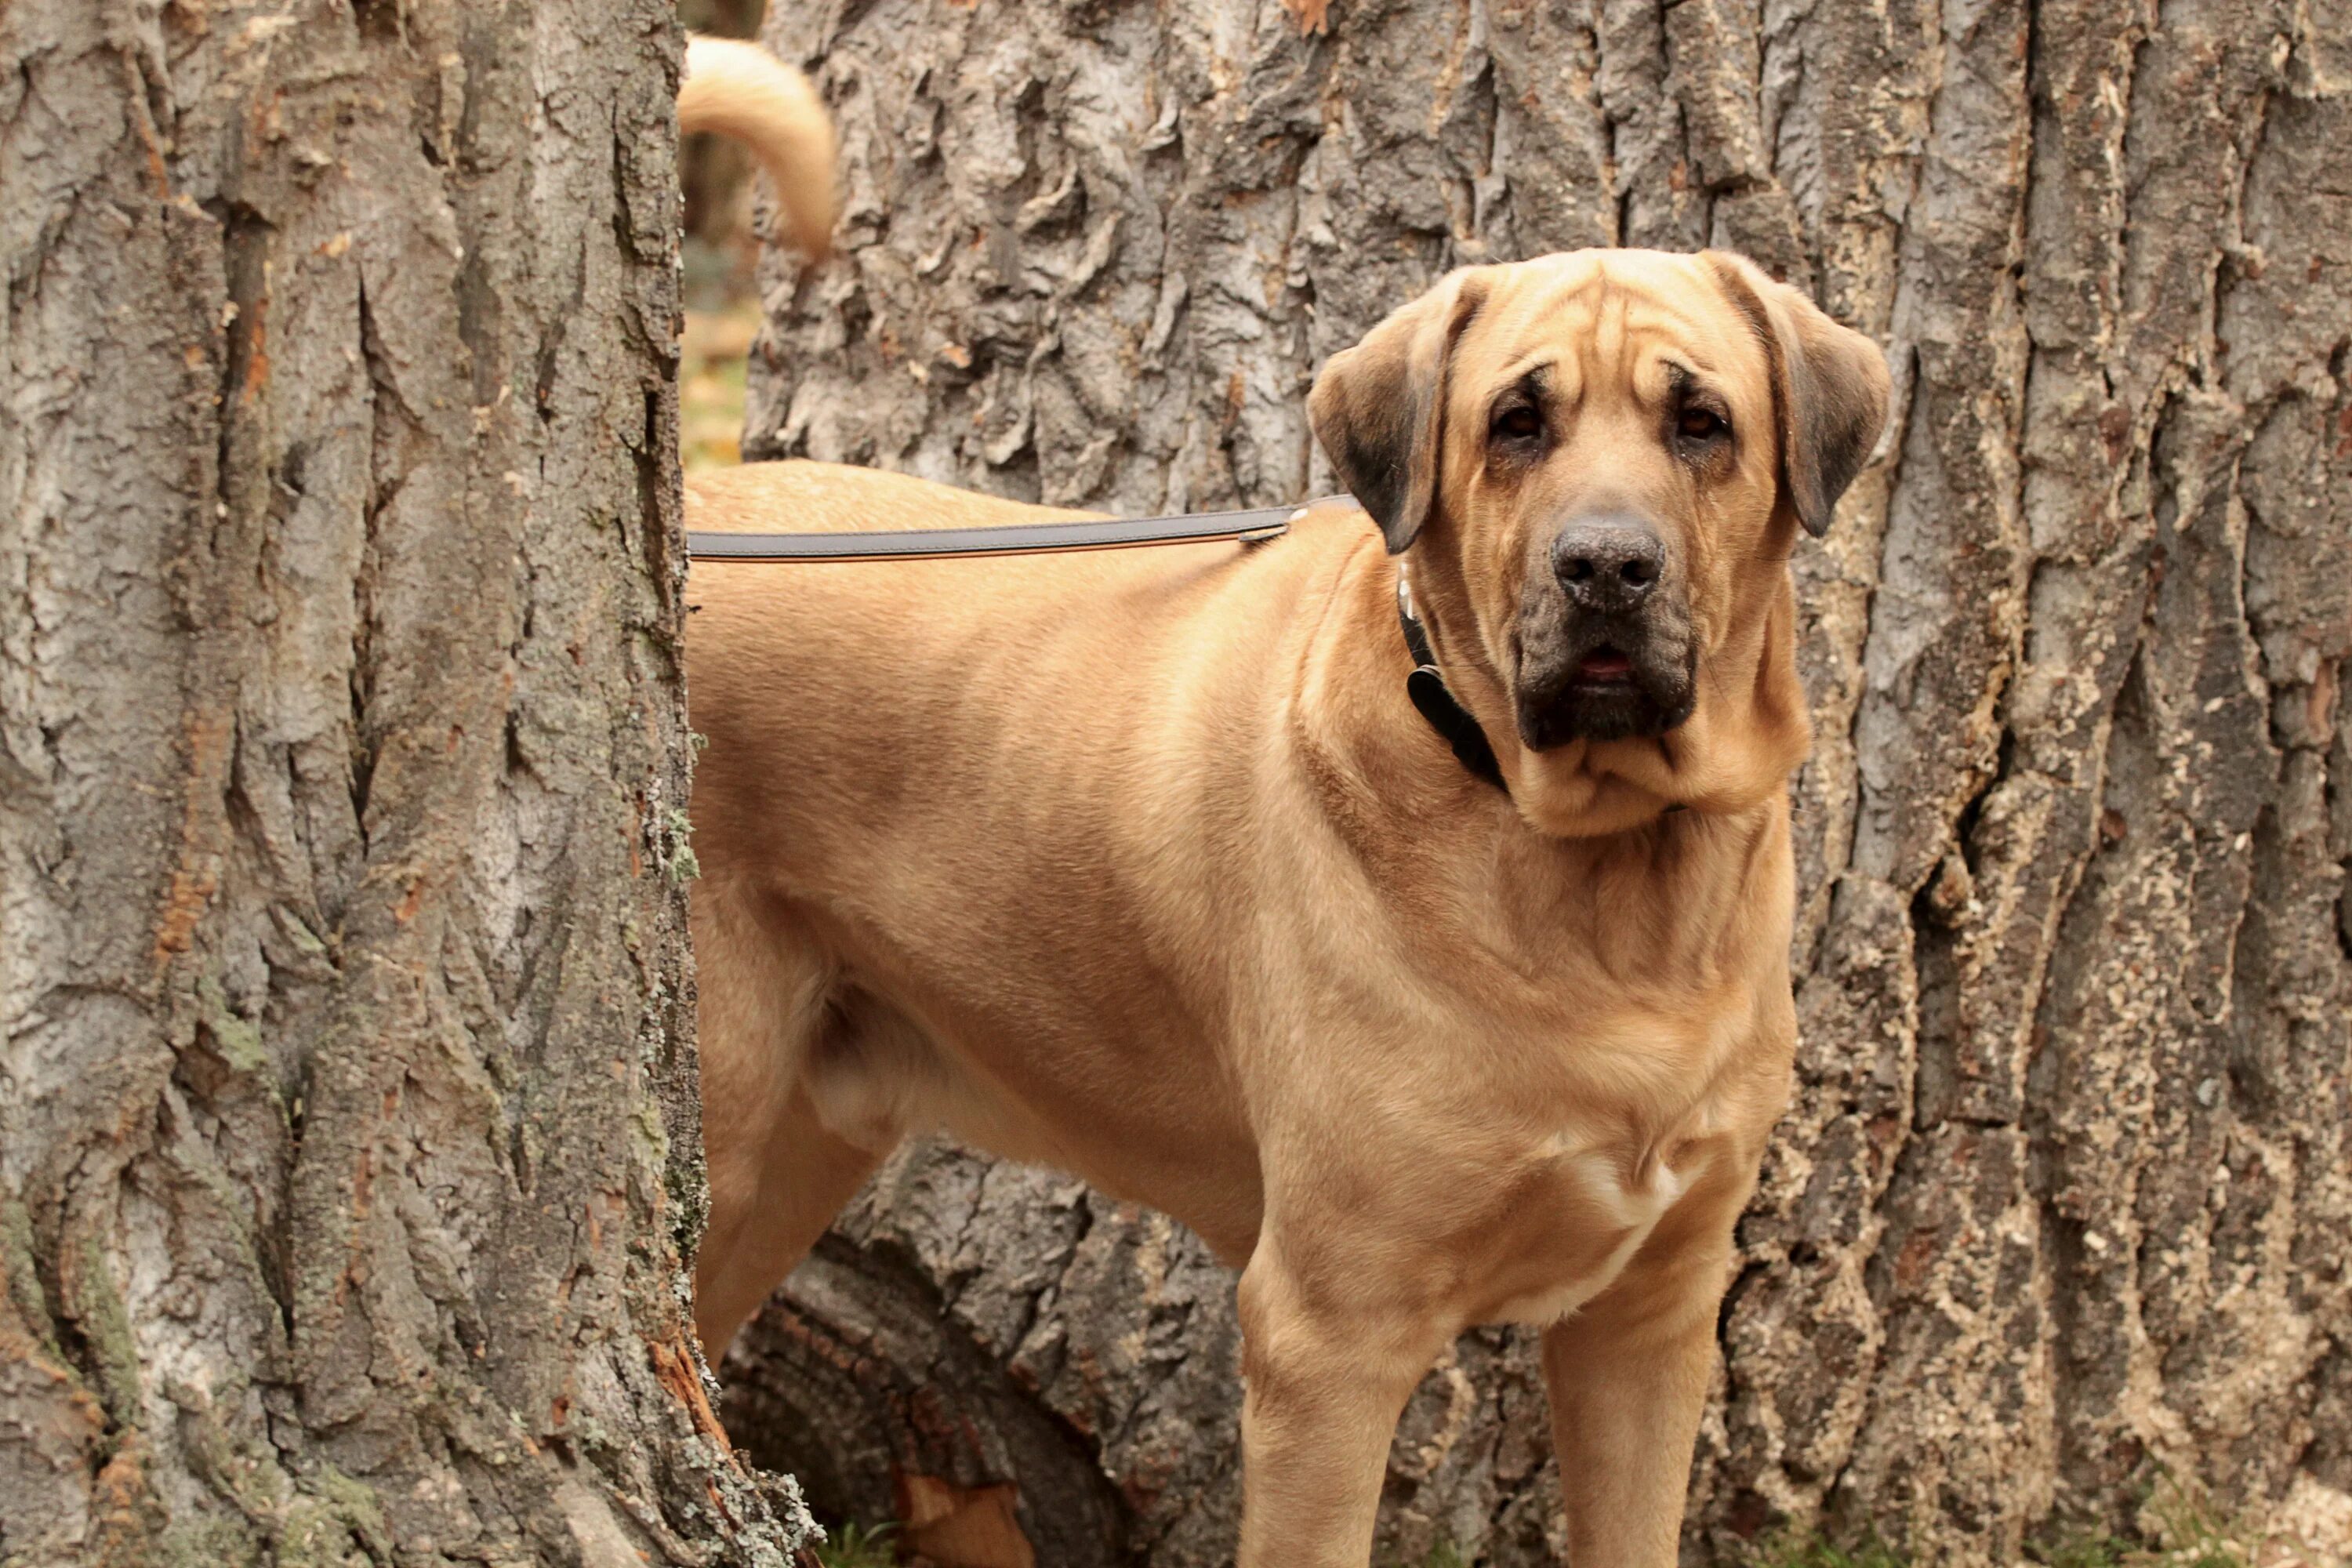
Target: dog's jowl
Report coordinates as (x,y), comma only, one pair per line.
(1143,863)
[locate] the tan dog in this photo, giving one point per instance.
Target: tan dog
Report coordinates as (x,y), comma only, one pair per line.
(1140,863)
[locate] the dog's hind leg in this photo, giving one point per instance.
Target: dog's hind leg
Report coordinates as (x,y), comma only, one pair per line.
(780,1200)
(768,1014)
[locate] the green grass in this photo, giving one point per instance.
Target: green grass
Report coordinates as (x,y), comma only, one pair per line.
(2084,1552)
(854,1546)
(1792,1549)
(2188,1534)
(2192,1535)
(1444,1554)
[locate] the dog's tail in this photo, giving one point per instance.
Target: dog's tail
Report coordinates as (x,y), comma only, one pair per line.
(741,90)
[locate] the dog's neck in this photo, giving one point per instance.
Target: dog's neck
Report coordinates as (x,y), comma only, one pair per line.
(1375,756)
(1425,688)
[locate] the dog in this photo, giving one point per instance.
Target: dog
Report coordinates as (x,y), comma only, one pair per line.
(1143,864)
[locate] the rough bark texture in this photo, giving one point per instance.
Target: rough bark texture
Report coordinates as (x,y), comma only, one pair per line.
(2064,1192)
(347,1139)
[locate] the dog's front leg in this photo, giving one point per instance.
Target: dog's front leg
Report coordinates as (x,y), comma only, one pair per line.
(1329,1365)
(1628,1378)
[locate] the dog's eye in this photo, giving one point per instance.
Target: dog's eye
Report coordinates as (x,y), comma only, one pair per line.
(1517,423)
(1695,424)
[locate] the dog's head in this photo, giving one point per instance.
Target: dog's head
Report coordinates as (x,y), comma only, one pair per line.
(1598,463)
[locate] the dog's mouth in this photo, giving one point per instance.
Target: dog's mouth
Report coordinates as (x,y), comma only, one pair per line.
(1606,666)
(1583,673)
(1606,692)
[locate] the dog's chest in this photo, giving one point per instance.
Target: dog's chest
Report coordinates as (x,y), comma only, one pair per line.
(1595,1170)
(1590,1211)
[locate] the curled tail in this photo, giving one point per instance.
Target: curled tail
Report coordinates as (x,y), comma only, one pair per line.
(742,91)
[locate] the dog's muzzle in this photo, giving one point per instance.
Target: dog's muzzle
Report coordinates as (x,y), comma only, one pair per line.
(1606,645)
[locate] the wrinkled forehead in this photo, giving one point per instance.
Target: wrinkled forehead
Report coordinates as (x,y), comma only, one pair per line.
(1613,318)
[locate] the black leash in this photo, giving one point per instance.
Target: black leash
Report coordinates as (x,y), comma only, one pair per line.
(1426,688)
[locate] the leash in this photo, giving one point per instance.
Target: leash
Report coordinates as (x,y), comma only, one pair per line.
(1024,539)
(1430,695)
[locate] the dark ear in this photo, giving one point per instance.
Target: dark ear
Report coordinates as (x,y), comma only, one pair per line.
(1378,408)
(1829,388)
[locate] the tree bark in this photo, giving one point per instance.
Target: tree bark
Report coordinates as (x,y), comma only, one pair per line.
(347,1138)
(2064,1192)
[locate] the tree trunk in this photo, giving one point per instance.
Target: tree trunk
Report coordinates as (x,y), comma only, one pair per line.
(347,1142)
(2064,1195)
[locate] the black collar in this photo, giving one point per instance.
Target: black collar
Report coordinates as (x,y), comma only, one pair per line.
(1437,704)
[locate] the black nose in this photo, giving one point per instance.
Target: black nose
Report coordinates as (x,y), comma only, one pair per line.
(1608,564)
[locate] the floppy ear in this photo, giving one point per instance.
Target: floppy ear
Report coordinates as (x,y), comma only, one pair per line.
(1378,408)
(1829,388)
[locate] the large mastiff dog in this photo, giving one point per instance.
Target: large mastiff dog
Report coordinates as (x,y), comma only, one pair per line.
(1142,863)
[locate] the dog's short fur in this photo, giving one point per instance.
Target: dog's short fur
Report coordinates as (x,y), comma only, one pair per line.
(741,90)
(1139,863)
